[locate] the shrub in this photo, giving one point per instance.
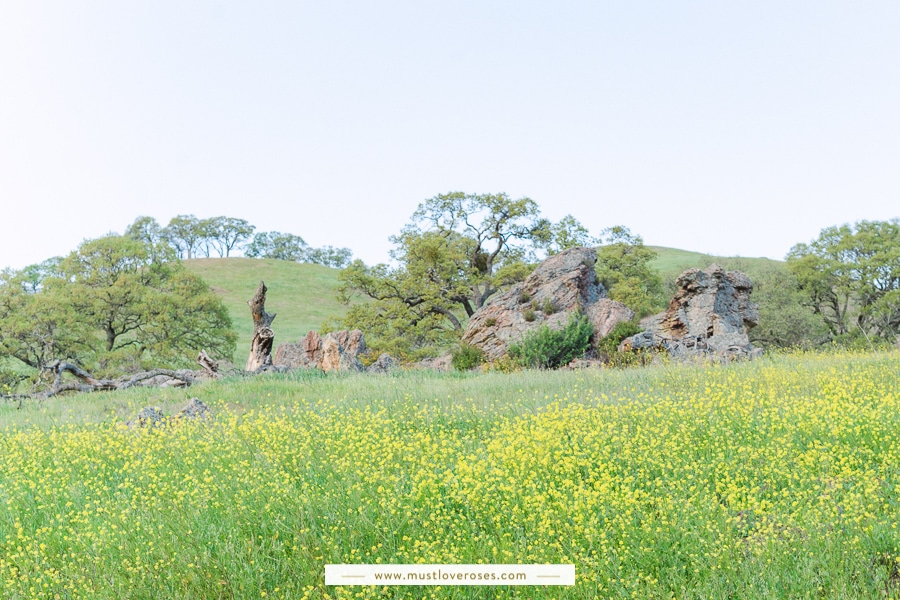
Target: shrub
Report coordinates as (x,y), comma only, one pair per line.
(466,357)
(529,314)
(623,330)
(544,348)
(524,297)
(490,322)
(504,364)
(547,307)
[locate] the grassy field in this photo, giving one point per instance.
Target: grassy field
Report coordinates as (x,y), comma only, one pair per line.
(771,479)
(302,295)
(670,262)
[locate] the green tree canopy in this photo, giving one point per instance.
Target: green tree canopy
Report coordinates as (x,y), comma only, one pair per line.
(624,268)
(146,230)
(115,301)
(186,234)
(457,251)
(224,234)
(329,256)
(38,326)
(850,275)
(274,244)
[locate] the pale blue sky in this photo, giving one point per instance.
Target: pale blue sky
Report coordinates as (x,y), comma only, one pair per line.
(735,128)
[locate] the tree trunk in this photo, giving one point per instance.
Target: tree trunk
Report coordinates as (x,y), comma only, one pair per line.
(88,383)
(263,336)
(209,365)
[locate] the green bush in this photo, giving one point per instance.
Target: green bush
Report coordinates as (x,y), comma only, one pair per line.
(547,307)
(610,343)
(545,348)
(466,357)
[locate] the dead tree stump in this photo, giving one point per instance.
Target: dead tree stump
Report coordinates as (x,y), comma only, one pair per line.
(263,336)
(210,366)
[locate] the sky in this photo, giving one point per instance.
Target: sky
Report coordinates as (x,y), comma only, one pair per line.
(732,128)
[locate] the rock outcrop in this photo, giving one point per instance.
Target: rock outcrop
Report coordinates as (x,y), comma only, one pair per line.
(149,416)
(560,285)
(152,416)
(443,362)
(194,409)
(710,314)
(334,351)
(383,364)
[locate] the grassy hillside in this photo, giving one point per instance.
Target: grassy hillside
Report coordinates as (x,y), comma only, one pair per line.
(670,262)
(302,295)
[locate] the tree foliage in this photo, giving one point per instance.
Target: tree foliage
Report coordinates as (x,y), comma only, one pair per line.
(186,234)
(146,230)
(274,244)
(850,276)
(329,256)
(190,237)
(287,246)
(457,251)
(567,233)
(224,234)
(624,268)
(36,325)
(114,302)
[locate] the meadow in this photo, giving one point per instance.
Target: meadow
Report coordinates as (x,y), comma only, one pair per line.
(770,479)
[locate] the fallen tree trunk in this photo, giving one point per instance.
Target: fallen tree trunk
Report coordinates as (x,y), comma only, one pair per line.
(82,375)
(263,336)
(87,383)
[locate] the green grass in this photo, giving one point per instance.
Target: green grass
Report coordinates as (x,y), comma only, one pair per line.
(302,295)
(771,479)
(670,262)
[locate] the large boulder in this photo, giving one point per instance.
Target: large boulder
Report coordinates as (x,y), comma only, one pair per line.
(334,351)
(562,284)
(710,313)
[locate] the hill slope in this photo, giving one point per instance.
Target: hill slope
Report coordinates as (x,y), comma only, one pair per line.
(302,295)
(670,262)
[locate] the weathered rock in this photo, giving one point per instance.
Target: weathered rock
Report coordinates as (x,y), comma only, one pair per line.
(562,284)
(334,351)
(351,342)
(710,314)
(383,364)
(440,363)
(605,314)
(336,357)
(581,363)
(149,416)
(194,409)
